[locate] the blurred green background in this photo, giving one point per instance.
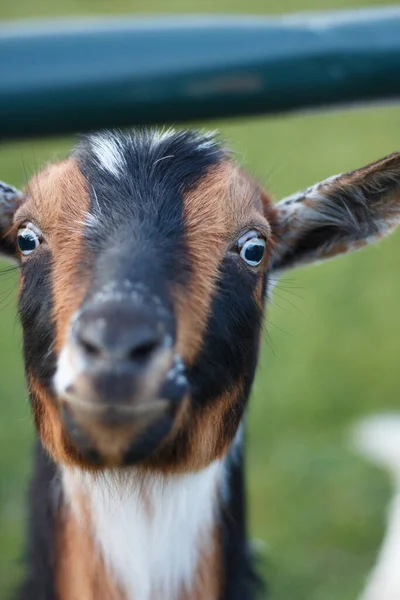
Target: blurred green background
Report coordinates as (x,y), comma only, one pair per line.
(330,352)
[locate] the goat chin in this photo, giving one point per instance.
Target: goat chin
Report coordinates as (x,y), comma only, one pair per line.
(377,438)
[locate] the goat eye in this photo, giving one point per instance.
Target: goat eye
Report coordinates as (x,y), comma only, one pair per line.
(28,240)
(252,250)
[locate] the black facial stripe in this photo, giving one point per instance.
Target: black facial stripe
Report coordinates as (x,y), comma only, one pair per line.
(36,313)
(230,349)
(265,286)
(140,211)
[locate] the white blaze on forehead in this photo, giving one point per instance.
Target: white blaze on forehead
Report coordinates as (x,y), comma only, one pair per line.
(108,147)
(160,135)
(151,531)
(204,140)
(108,153)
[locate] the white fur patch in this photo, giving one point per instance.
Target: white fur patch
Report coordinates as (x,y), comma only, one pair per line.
(205,140)
(378,438)
(160,135)
(69,366)
(150,531)
(108,153)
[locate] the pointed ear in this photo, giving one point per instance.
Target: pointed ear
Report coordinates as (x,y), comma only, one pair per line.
(341,214)
(10,200)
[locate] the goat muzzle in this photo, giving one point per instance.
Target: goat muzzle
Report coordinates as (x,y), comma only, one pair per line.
(117,379)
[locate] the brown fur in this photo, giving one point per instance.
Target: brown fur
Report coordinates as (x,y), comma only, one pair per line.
(57,202)
(225,204)
(49,426)
(219,209)
(212,430)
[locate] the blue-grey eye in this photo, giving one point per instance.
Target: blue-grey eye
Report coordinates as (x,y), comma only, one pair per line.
(28,240)
(253,251)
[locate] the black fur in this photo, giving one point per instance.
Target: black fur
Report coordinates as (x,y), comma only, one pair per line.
(35,310)
(231,341)
(44,498)
(228,356)
(143,232)
(241,581)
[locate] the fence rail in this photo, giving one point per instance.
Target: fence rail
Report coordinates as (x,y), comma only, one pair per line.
(63,77)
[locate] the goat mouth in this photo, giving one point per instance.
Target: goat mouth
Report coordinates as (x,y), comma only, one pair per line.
(112,396)
(120,414)
(118,425)
(114,436)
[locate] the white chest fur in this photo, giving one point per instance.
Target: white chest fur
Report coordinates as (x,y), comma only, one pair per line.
(150,531)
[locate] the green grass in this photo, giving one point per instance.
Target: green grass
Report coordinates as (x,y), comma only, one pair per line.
(332,353)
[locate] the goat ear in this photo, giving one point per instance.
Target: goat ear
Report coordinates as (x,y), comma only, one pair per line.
(341,214)
(10,200)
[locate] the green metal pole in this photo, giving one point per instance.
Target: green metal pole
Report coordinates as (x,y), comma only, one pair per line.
(64,77)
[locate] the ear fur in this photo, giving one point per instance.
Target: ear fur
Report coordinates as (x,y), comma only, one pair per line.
(341,214)
(10,200)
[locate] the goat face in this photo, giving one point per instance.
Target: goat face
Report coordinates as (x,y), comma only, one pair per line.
(145,260)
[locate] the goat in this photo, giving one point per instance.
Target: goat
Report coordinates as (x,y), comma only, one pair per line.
(145,261)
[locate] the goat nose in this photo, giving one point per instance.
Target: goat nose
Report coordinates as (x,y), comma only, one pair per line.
(122,336)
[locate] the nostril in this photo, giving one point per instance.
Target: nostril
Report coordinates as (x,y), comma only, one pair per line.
(89,338)
(142,351)
(117,343)
(90,349)
(118,337)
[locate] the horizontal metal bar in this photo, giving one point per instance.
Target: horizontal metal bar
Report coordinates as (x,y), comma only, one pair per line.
(75,76)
